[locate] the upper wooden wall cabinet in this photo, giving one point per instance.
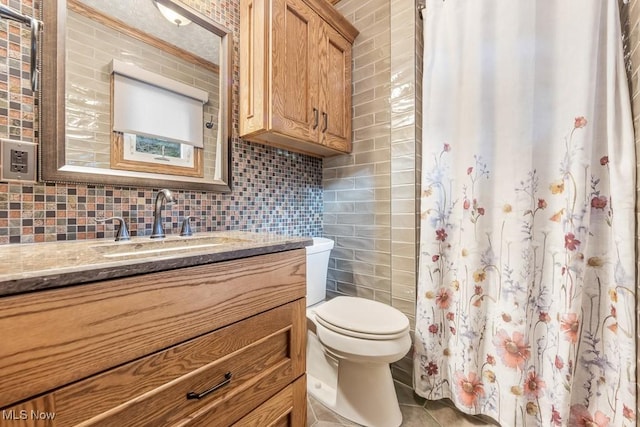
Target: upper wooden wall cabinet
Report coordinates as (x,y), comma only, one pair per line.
(295,75)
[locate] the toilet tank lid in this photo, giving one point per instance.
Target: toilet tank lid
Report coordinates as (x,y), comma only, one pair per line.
(320,244)
(363,315)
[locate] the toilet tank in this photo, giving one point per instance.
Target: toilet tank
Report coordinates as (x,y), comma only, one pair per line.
(317,265)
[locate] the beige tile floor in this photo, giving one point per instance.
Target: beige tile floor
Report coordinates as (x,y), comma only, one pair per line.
(416,412)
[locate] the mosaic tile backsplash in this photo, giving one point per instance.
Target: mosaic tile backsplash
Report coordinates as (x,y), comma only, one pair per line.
(272,190)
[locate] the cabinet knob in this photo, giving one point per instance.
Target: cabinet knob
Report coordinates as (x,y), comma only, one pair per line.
(198,396)
(315,118)
(325,116)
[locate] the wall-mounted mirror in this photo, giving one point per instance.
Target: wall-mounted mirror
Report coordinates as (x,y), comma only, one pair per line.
(135,93)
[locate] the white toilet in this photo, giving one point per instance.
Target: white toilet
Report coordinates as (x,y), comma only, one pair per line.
(351,342)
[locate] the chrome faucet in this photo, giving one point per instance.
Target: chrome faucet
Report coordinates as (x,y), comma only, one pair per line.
(167,196)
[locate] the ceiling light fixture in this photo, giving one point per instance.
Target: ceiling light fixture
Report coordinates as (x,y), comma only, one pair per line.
(172,16)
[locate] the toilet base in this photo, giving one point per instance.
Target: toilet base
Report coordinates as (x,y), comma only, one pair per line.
(322,372)
(366,394)
(361,392)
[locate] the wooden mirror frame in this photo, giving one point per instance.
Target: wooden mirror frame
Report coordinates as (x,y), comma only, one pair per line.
(52,108)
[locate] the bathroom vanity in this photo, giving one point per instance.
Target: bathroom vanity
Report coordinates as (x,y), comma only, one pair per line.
(207,335)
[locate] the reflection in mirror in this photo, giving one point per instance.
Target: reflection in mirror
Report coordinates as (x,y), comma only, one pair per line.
(132,98)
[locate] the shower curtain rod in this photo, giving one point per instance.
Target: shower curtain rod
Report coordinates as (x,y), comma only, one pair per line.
(422,6)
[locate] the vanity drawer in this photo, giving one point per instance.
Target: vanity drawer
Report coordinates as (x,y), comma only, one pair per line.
(288,408)
(53,338)
(262,353)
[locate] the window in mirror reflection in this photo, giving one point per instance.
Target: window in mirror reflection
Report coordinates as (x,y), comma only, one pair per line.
(155,150)
(165,111)
(143,153)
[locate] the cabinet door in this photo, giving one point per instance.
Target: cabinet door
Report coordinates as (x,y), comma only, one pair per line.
(295,104)
(335,84)
(254,72)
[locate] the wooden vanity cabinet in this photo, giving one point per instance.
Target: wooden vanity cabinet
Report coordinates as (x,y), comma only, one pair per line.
(213,345)
(295,75)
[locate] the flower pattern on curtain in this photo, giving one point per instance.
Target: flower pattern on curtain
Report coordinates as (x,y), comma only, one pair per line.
(526,294)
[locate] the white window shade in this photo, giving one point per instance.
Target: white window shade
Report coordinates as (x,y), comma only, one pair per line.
(152,105)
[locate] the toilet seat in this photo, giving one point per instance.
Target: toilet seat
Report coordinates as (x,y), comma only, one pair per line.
(363,350)
(362,318)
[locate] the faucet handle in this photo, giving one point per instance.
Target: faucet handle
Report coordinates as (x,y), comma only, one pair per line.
(185,230)
(123,232)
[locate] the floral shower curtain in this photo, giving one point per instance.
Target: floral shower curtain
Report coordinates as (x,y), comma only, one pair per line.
(526,295)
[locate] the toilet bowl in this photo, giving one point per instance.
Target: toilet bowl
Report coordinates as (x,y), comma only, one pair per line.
(351,342)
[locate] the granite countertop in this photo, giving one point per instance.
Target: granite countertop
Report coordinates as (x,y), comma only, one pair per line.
(36,266)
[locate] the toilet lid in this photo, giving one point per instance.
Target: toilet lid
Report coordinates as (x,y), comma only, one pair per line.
(362,318)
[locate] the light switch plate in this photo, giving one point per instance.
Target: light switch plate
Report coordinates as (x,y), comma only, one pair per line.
(18,160)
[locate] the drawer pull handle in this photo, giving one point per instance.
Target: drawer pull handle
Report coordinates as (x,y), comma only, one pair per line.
(315,118)
(326,121)
(194,395)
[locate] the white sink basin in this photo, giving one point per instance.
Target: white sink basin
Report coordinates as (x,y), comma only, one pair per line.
(139,247)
